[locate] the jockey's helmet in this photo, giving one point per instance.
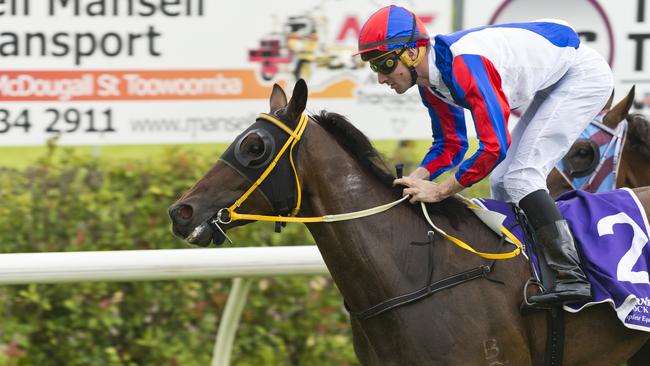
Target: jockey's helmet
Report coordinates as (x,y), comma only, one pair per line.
(391,29)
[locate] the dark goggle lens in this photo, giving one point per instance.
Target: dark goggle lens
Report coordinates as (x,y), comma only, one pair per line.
(384,65)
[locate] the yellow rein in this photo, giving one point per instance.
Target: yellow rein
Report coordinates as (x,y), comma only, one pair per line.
(294,137)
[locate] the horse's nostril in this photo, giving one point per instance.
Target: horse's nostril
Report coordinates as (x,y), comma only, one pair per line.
(185,212)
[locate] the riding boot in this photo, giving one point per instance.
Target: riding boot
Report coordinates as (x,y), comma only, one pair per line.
(557,243)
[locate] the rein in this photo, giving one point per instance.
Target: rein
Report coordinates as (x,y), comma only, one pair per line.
(227,215)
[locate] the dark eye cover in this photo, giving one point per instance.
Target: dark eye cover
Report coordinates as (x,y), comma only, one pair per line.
(576,172)
(258,160)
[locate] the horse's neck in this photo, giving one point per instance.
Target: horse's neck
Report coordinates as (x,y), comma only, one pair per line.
(371,258)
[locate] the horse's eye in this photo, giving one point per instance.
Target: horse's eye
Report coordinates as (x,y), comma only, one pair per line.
(253,146)
(256,148)
(584,152)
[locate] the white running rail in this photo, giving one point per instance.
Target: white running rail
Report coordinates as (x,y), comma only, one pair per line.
(241,264)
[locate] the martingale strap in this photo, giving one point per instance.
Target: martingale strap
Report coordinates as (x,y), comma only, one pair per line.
(554,354)
(426,291)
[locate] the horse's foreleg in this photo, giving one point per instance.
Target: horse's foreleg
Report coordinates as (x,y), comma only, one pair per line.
(362,347)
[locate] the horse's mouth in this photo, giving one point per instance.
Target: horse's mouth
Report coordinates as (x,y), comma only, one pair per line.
(204,234)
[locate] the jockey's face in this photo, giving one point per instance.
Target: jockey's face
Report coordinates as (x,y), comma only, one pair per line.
(399,79)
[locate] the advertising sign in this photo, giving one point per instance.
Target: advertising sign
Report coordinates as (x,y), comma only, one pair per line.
(189,71)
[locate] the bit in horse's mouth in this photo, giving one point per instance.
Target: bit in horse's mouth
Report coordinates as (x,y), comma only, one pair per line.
(205,233)
(218,237)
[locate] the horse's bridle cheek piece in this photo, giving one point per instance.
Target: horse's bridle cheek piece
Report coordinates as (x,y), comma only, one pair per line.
(284,195)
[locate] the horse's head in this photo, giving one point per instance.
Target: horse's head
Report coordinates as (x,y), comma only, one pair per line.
(586,154)
(265,149)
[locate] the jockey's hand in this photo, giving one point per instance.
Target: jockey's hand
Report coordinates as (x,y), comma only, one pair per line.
(424,191)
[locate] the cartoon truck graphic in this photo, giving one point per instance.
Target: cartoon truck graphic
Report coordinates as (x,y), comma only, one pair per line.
(271,54)
(298,48)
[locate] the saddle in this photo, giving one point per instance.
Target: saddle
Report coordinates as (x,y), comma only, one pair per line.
(611,236)
(611,233)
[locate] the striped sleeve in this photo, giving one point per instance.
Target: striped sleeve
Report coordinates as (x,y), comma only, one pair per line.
(478,84)
(449,135)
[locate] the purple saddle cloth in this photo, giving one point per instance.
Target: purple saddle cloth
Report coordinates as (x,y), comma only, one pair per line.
(611,232)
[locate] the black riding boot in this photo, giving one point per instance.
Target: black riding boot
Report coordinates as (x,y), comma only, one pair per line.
(555,238)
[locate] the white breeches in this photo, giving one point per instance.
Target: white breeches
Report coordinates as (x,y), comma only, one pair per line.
(553,121)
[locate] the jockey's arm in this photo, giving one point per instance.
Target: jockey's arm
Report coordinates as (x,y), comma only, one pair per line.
(449,137)
(478,84)
(447,151)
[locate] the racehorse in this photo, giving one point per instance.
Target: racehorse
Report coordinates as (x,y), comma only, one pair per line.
(633,169)
(586,159)
(372,259)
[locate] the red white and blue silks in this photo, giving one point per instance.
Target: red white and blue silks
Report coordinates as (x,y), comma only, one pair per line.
(478,85)
(611,232)
(489,70)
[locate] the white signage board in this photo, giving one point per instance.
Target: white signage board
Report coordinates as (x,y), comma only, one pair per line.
(619,30)
(189,71)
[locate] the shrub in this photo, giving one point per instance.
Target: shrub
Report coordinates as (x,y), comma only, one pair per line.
(70,202)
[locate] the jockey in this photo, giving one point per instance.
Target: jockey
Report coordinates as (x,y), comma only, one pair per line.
(490,71)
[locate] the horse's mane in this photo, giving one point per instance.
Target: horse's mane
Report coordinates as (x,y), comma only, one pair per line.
(360,147)
(639,134)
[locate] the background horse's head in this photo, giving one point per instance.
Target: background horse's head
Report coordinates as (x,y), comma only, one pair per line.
(240,165)
(585,156)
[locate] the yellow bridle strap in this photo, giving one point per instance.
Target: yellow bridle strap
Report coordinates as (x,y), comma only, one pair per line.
(508,255)
(326,218)
(465,246)
(302,127)
(294,136)
(234,216)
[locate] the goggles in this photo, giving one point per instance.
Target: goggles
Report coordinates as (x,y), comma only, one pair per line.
(385,64)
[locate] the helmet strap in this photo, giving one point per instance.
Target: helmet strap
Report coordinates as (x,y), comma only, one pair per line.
(412,64)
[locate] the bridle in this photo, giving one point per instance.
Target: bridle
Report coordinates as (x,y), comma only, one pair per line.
(608,145)
(228,215)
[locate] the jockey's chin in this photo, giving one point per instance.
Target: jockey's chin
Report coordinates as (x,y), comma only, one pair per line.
(400,83)
(401,89)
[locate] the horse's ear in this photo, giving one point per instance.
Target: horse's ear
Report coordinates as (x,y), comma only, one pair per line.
(298,101)
(620,110)
(278,98)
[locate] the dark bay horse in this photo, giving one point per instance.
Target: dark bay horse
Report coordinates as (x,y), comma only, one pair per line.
(371,259)
(633,169)
(584,156)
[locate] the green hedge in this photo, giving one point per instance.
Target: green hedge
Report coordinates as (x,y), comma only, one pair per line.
(70,202)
